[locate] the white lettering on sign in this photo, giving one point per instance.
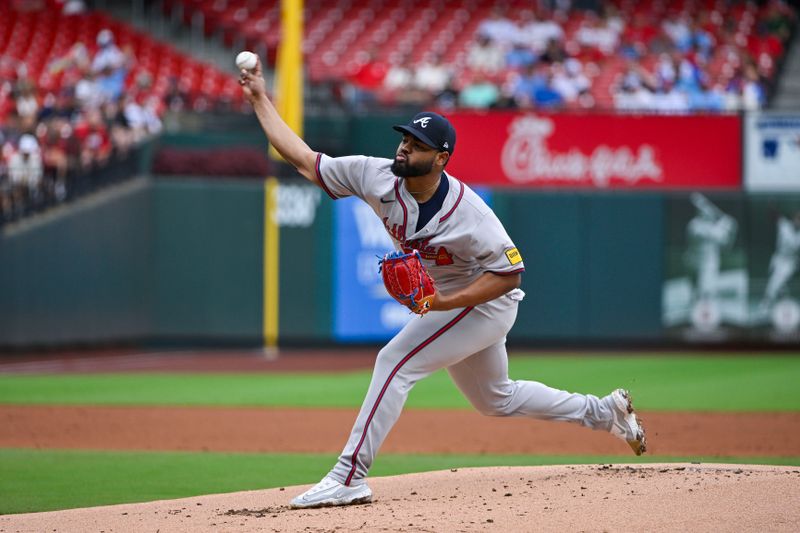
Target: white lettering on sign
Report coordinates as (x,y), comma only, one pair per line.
(297,205)
(526,158)
(371,232)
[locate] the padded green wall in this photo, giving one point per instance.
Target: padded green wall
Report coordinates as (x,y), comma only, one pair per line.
(181,260)
(547,230)
(81,274)
(593,264)
(207,259)
(623,266)
(306,256)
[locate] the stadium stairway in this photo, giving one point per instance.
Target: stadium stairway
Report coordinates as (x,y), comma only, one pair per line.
(787,96)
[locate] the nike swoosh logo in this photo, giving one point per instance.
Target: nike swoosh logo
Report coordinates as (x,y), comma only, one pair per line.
(387,201)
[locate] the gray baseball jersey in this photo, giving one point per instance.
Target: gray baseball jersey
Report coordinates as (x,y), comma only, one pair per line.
(457,246)
(463,241)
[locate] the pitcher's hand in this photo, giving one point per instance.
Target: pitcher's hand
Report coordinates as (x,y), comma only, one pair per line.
(253,84)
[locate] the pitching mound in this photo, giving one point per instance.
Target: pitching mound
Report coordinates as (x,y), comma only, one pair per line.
(653,497)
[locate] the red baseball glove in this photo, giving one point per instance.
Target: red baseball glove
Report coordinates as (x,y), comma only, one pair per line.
(407,281)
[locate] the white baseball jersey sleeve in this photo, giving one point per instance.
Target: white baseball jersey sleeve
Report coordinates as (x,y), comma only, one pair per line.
(460,243)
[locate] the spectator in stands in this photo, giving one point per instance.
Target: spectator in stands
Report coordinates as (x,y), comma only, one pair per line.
(432,76)
(479,93)
(62,105)
(753,95)
(689,78)
(108,54)
(669,100)
(524,86)
(701,41)
(486,55)
(519,56)
(498,28)
(448,98)
(635,88)
(667,68)
(599,34)
(398,86)
(6,198)
(534,88)
(176,98)
(535,32)
(110,65)
(677,27)
(399,78)
(27,104)
(638,36)
(122,137)
(365,76)
(545,95)
(60,152)
(141,117)
(554,52)
(570,82)
(25,171)
(95,140)
(88,92)
(76,60)
(72,7)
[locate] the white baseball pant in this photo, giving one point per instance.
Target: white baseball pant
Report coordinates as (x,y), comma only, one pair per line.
(470,343)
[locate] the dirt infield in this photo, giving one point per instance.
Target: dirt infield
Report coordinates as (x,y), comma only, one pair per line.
(556,498)
(672,497)
(418,431)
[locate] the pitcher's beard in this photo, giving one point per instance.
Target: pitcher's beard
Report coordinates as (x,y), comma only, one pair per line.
(405,170)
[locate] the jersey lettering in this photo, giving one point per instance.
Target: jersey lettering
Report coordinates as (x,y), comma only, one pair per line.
(441,256)
(397,231)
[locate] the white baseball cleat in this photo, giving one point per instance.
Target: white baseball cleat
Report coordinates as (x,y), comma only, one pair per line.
(330,492)
(626,424)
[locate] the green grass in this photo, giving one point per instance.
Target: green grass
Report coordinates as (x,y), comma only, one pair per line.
(44,480)
(680,382)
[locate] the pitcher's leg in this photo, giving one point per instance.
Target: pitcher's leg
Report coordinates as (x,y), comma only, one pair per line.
(422,347)
(483,379)
(425,345)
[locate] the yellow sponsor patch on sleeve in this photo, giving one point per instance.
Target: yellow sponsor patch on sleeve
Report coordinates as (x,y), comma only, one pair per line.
(513,256)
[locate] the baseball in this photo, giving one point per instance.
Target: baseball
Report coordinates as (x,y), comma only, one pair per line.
(246,60)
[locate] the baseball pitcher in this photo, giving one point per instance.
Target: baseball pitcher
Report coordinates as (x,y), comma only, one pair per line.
(455,264)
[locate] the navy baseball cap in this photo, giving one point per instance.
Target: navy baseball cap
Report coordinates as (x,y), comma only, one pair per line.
(432,129)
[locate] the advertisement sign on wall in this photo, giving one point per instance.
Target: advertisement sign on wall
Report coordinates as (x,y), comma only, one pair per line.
(731,267)
(774,257)
(705,291)
(597,151)
(363,310)
(772,156)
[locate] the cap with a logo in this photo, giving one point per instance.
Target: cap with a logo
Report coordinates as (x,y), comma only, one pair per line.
(432,129)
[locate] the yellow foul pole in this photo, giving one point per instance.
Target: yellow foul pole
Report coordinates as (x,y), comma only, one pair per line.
(289,69)
(271,267)
(289,102)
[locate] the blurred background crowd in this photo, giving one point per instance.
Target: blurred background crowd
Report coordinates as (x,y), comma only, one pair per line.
(645,56)
(80,89)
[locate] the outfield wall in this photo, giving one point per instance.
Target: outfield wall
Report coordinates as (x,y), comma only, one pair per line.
(181,261)
(80,275)
(619,244)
